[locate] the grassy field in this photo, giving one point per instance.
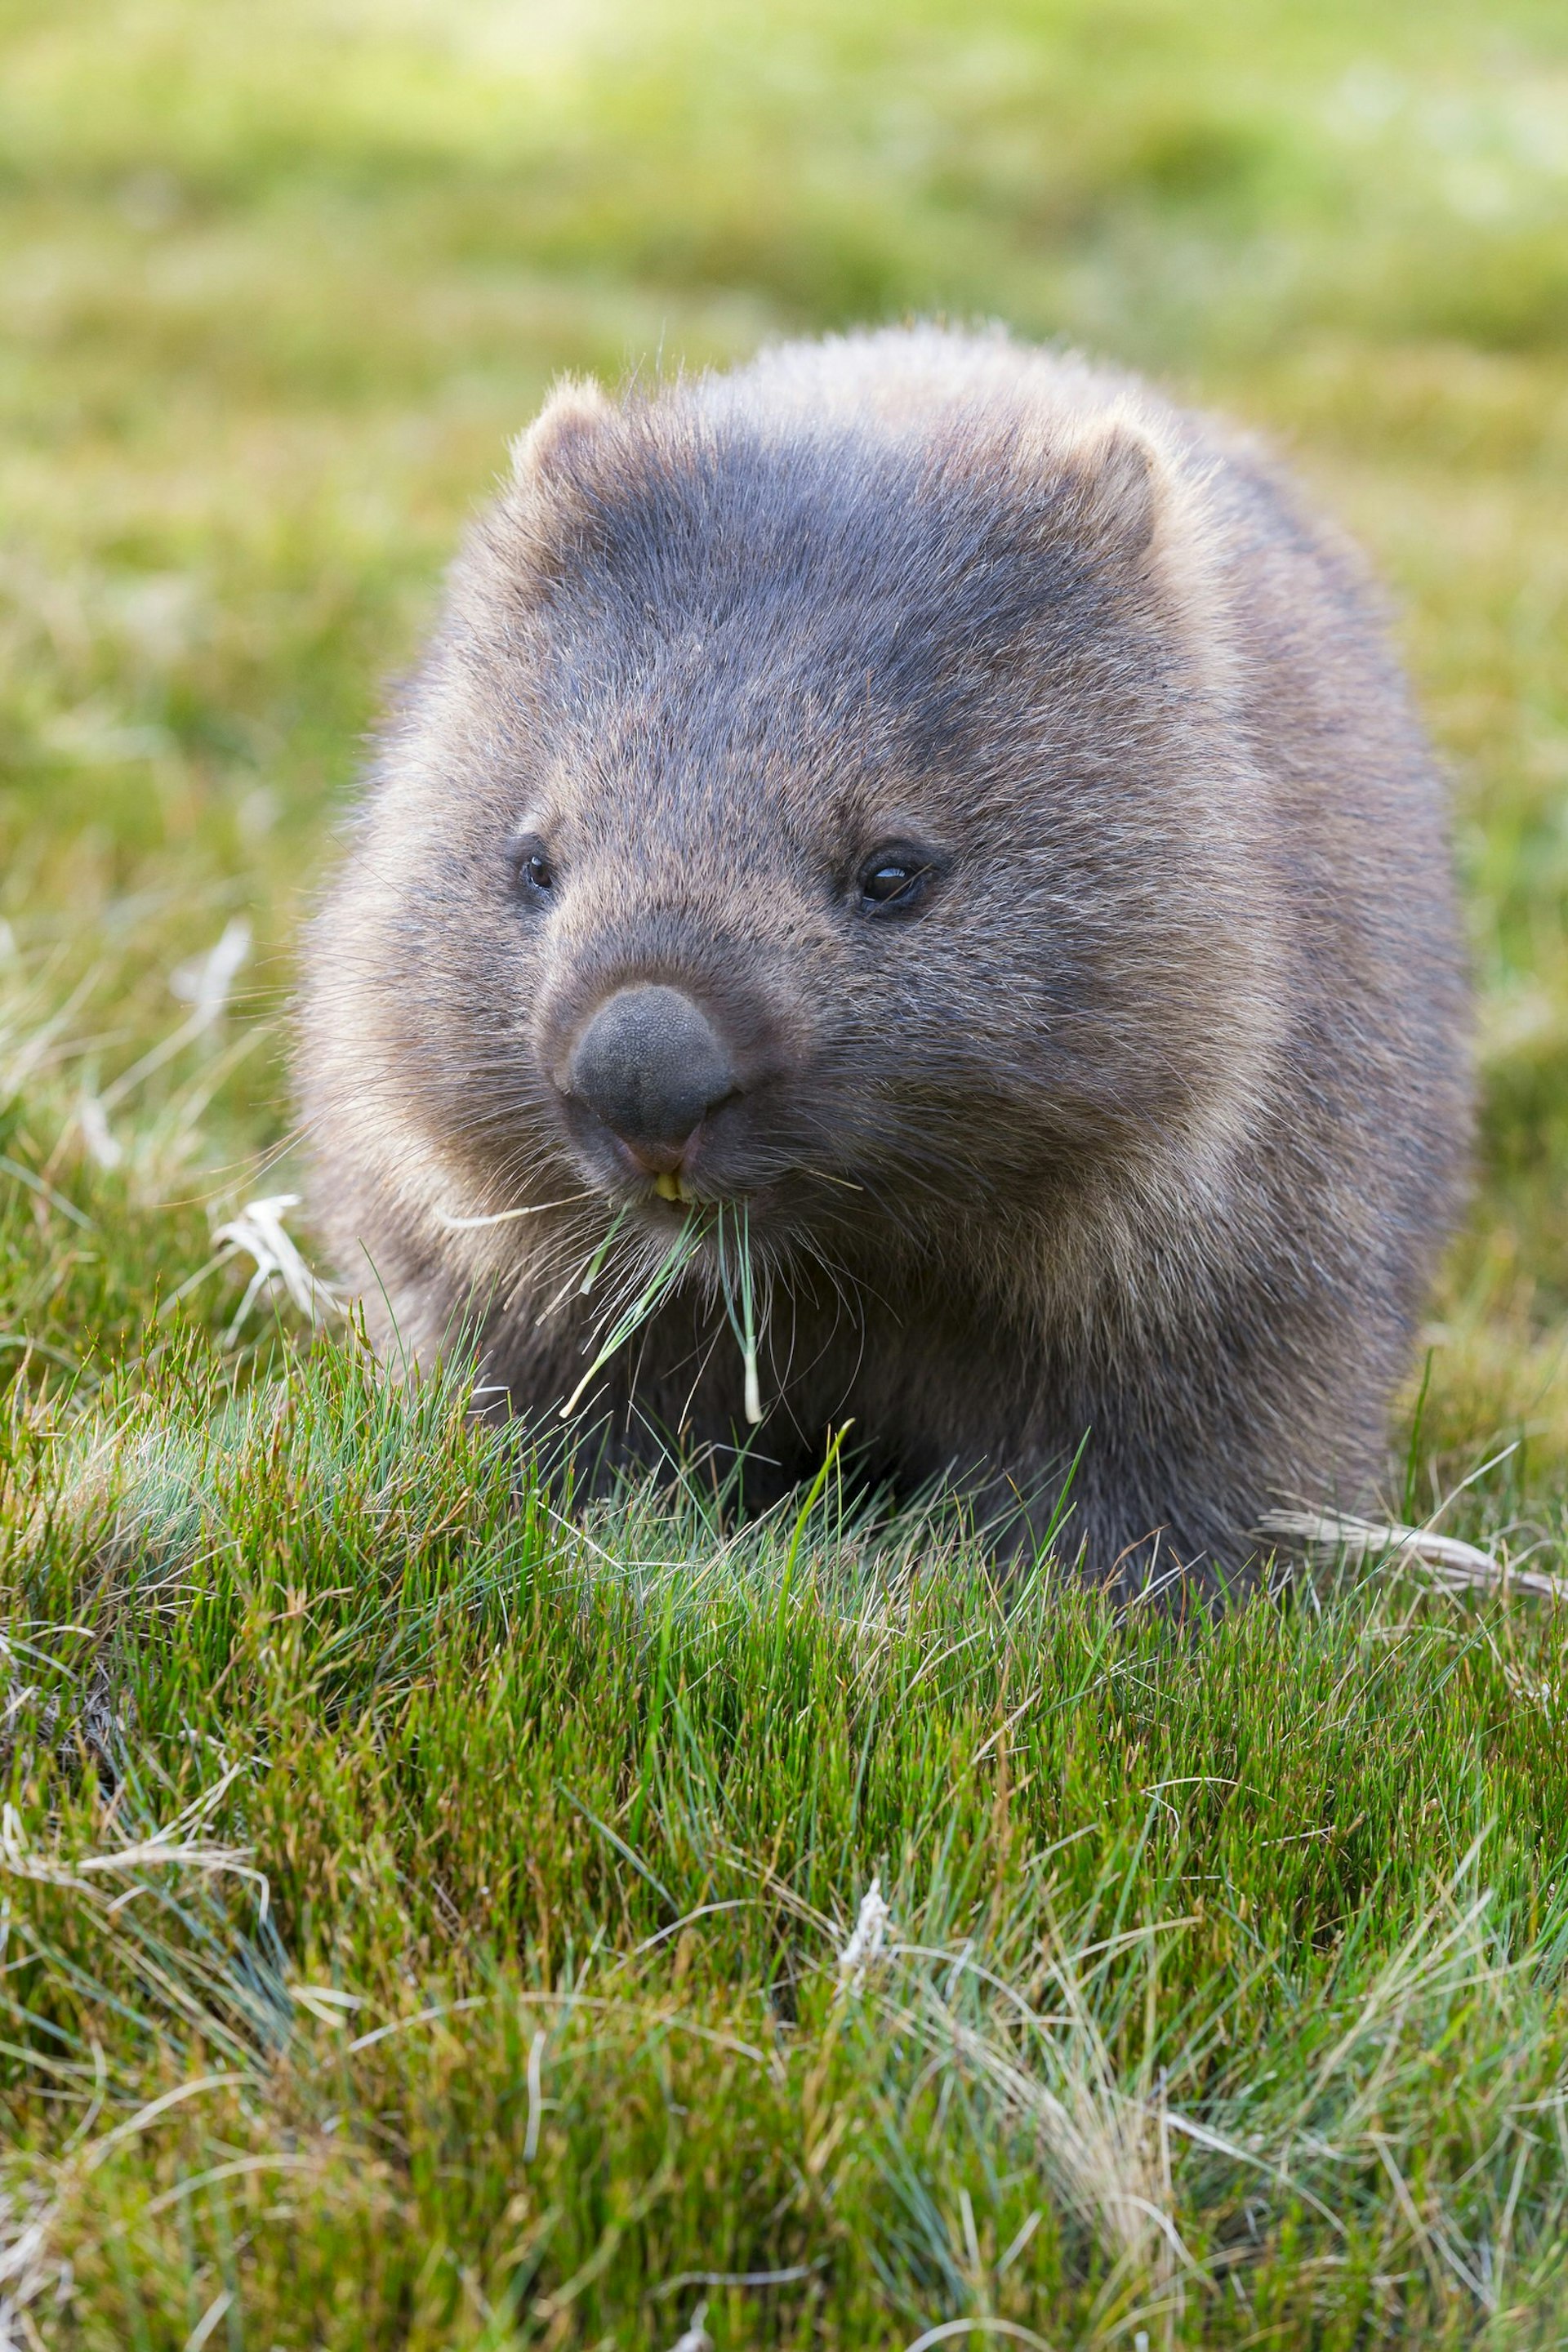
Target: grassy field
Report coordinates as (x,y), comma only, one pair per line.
(424,1922)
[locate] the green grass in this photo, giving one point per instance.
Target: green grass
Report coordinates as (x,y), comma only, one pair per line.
(421,1910)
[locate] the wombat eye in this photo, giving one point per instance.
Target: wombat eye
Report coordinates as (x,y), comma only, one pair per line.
(530,864)
(895,880)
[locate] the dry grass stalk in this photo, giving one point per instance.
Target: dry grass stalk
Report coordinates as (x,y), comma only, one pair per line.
(1451,1561)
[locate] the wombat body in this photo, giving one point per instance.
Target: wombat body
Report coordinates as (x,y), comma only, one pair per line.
(944,801)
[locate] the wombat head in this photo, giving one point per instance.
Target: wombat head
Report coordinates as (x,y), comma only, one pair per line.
(815,806)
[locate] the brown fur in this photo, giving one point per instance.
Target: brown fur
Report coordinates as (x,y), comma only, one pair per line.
(1147,1129)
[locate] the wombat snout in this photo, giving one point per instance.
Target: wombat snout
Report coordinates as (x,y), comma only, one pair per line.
(650,1066)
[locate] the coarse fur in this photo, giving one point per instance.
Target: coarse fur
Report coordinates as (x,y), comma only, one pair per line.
(1135,1142)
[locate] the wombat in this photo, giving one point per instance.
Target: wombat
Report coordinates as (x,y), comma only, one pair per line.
(934,817)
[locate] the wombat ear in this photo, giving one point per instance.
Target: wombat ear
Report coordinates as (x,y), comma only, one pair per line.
(1113,480)
(575,411)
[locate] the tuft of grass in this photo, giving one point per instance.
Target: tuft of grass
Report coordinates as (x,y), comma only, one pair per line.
(1220,1985)
(422,1903)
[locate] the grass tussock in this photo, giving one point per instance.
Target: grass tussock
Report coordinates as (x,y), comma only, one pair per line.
(1215,1978)
(432,1914)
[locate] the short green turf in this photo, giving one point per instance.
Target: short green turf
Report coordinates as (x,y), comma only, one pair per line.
(430,1916)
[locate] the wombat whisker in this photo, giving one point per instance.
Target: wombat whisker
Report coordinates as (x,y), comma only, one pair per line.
(895,1204)
(623,1287)
(562,1258)
(555,1304)
(848,1304)
(704,1358)
(899,1153)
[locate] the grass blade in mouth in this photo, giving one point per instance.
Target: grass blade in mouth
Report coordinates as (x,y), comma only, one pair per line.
(742,1315)
(595,1265)
(630,1320)
(736,1282)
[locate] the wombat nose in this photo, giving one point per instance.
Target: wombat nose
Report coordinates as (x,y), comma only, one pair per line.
(650,1066)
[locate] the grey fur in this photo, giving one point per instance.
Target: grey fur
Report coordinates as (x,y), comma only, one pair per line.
(1152,1123)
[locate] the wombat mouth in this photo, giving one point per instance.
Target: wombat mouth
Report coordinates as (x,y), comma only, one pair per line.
(669,1204)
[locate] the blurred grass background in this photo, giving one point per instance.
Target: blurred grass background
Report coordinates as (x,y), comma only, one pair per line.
(279,283)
